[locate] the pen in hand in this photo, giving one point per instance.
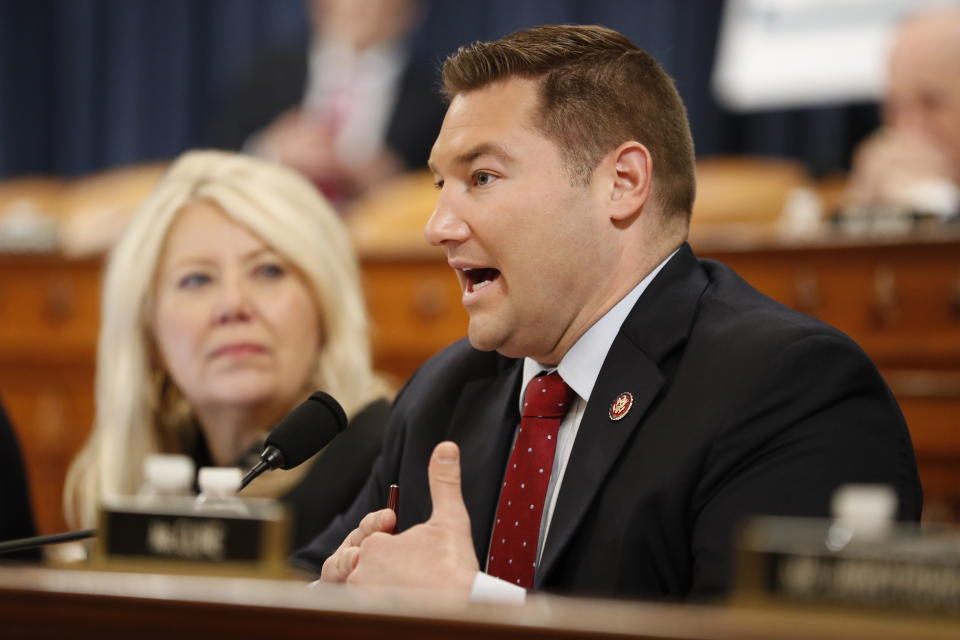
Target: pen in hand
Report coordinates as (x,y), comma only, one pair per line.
(393,500)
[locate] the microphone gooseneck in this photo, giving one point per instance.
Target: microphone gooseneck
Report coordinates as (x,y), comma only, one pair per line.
(271,458)
(22,544)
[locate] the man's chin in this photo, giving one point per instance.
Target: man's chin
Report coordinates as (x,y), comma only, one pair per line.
(484,337)
(481,344)
(501,344)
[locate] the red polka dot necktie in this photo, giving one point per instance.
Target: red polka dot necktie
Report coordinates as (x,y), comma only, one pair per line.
(513,547)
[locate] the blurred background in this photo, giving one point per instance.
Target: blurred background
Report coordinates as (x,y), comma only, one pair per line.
(99,95)
(91,84)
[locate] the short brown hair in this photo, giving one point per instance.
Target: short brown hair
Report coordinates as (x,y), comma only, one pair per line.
(597,90)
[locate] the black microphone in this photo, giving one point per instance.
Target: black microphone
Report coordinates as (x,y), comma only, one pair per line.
(302,433)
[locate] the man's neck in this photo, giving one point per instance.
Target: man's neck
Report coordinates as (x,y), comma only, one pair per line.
(580,365)
(624,283)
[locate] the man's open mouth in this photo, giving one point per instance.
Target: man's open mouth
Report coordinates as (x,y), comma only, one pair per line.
(479,278)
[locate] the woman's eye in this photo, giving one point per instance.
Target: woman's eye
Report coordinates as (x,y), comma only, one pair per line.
(270,270)
(482,178)
(193,280)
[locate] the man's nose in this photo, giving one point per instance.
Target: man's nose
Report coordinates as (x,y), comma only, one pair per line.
(444,225)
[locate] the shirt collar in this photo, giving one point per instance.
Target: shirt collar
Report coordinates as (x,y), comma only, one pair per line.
(581,365)
(331,55)
(333,64)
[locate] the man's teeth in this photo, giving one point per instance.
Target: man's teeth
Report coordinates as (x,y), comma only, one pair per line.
(475,285)
(481,285)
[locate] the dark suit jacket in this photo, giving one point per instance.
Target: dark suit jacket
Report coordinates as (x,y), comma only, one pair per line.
(276,83)
(742,407)
(337,474)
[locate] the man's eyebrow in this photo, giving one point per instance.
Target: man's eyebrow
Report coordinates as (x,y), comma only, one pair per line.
(483,149)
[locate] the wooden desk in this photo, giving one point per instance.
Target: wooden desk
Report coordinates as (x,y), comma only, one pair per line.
(900,299)
(415,309)
(49,319)
(47,603)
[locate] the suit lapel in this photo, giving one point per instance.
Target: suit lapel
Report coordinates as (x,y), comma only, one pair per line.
(599,441)
(483,425)
(659,322)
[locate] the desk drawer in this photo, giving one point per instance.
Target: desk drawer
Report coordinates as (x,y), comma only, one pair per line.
(415,310)
(49,309)
(901,303)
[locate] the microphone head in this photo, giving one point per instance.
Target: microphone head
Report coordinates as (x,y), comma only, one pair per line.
(307,429)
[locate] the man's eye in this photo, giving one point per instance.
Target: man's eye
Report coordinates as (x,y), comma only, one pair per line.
(193,280)
(270,270)
(482,178)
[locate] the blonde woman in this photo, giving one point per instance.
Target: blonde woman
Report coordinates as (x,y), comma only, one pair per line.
(233,294)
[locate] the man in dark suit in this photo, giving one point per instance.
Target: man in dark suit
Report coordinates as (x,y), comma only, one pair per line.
(688,400)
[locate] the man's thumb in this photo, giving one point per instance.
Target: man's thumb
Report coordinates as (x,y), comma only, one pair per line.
(444,476)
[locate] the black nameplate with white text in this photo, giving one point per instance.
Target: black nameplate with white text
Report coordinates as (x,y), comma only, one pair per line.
(184,537)
(174,535)
(824,563)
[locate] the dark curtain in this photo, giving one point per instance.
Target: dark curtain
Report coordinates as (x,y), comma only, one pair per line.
(88,84)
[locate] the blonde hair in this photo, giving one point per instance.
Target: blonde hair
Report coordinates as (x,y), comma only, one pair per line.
(138,411)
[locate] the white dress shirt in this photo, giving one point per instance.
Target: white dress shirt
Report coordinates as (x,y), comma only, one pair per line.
(368,81)
(579,368)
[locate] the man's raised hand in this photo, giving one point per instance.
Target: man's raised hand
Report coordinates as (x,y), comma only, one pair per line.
(436,554)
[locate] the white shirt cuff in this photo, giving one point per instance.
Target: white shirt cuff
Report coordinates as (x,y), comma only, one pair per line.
(486,588)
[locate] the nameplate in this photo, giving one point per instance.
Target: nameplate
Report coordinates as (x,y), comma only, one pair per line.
(818,562)
(174,536)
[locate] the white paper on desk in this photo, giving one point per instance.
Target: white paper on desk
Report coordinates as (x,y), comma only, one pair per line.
(794,53)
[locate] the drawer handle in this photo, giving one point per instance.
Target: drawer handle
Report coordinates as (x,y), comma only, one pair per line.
(59,302)
(806,290)
(430,299)
(954,300)
(885,308)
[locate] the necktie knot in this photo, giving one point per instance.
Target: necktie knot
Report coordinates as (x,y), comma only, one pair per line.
(547,397)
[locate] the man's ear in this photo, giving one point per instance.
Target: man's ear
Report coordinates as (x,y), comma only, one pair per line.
(632,171)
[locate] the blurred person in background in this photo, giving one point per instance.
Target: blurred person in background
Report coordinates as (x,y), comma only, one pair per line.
(350,112)
(233,294)
(913,164)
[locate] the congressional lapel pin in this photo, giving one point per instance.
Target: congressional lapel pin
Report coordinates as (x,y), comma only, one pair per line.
(620,406)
